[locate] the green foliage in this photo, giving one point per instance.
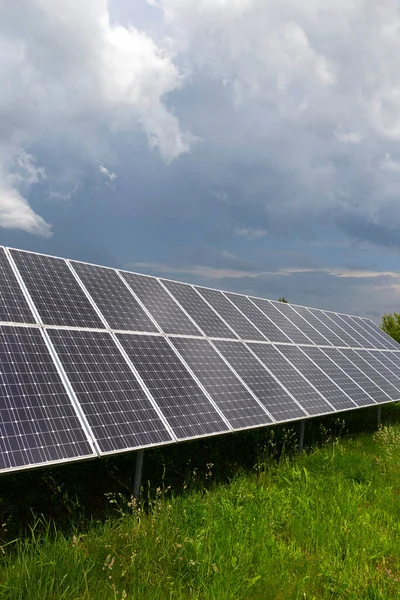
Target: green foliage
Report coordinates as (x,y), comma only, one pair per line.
(282,300)
(325,524)
(391,325)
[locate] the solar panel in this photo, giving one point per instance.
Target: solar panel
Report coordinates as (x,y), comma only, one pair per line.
(383,365)
(321,381)
(348,385)
(55,292)
(345,340)
(275,313)
(117,409)
(358,376)
(374,337)
(308,398)
(184,405)
(117,304)
(366,339)
(389,342)
(38,423)
(303,325)
(239,323)
(169,316)
(268,390)
(201,313)
(359,339)
(265,325)
(79,384)
(13,306)
(327,333)
(394,357)
(365,365)
(384,359)
(238,405)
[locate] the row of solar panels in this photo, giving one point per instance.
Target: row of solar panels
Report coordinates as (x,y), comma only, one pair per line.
(75,294)
(76,381)
(68,394)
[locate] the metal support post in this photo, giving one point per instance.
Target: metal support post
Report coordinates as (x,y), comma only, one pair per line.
(301,435)
(379,413)
(138,473)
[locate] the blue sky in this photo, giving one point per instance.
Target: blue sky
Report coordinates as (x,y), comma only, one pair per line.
(248,145)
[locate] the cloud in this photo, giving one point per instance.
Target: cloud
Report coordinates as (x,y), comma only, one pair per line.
(312,101)
(68,73)
(107,173)
(249,232)
(15,213)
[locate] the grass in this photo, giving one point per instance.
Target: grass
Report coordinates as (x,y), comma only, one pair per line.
(325,524)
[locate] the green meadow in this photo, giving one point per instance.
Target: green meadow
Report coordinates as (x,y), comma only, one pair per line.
(235,518)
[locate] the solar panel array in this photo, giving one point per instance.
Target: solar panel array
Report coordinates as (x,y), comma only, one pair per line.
(97,360)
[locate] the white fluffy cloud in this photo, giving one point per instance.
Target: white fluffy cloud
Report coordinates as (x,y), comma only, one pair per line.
(66,70)
(315,92)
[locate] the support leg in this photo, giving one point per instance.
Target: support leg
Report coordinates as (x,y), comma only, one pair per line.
(379,413)
(138,473)
(301,435)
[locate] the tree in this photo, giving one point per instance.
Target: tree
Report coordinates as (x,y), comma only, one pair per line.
(391,325)
(282,300)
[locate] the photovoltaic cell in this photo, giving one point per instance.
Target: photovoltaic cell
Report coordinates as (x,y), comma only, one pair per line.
(350,387)
(182,402)
(366,339)
(345,340)
(383,358)
(313,374)
(230,314)
(394,358)
(265,325)
(328,334)
(13,306)
(275,313)
(358,376)
(38,423)
(117,304)
(270,393)
(389,342)
(379,361)
(305,394)
(236,403)
(55,292)
(115,405)
(374,337)
(168,315)
(365,365)
(200,312)
(341,320)
(304,326)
